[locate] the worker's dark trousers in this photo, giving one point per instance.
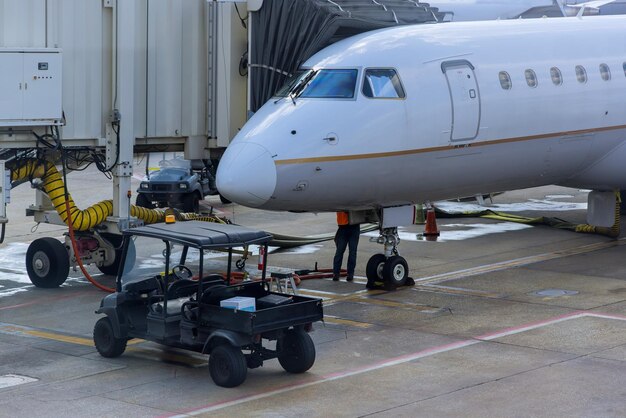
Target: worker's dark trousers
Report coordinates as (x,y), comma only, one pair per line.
(346,236)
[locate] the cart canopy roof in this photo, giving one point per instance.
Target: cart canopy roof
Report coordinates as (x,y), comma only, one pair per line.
(200,234)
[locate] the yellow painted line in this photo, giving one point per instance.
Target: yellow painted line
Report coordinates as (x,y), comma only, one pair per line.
(464,146)
(340,321)
(60,337)
(161,355)
(398,305)
(69,339)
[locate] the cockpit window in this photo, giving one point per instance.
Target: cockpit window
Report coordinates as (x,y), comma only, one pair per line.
(382,83)
(330,84)
(290,83)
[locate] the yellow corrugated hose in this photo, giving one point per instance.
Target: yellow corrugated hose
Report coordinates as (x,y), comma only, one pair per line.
(83,220)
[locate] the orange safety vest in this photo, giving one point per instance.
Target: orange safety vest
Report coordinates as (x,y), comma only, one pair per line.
(343,218)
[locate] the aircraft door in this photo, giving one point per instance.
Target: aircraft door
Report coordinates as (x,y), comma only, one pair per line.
(465,99)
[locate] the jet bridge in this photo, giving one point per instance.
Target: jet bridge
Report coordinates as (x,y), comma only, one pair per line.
(99,81)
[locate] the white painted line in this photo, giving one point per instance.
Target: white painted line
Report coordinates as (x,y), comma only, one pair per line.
(8,380)
(392,362)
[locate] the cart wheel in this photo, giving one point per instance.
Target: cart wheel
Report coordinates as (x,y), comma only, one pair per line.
(296,352)
(191,203)
(47,262)
(144,202)
(104,339)
(227,366)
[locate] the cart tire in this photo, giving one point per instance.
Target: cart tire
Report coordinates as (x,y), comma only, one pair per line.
(47,262)
(105,341)
(296,353)
(227,366)
(144,202)
(191,203)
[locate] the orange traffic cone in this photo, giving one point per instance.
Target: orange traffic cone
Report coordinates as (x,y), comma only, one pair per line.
(431,232)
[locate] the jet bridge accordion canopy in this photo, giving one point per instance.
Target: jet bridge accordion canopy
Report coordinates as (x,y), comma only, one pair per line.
(285,33)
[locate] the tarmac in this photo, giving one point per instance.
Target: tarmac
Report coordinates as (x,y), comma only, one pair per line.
(505,320)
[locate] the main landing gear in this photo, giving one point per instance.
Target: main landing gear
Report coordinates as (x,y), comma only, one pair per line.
(388,270)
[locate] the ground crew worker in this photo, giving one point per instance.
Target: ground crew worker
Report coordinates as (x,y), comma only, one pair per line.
(347,236)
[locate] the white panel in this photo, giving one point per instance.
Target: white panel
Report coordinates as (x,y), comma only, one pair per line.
(42,86)
(231,86)
(76,26)
(22,23)
(11,99)
(164,67)
(194,69)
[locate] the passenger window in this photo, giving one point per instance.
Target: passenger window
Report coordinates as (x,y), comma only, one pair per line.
(581,74)
(531,78)
(605,72)
(331,84)
(382,83)
(624,66)
(505,80)
(556,76)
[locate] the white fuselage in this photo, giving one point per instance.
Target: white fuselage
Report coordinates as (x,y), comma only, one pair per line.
(457,131)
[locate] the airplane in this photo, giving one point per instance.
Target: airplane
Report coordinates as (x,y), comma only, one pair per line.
(384,120)
(469,10)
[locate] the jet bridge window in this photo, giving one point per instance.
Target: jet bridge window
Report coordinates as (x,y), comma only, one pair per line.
(605,72)
(505,80)
(555,74)
(382,83)
(531,78)
(331,84)
(581,74)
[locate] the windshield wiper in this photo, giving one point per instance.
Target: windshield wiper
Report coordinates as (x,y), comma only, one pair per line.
(299,88)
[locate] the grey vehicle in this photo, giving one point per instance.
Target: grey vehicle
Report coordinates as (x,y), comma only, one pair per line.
(172,287)
(178,183)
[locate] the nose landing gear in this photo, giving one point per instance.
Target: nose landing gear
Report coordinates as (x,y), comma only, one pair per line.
(388,270)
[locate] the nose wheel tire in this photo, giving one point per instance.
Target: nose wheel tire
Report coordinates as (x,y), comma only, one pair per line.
(395,272)
(374,269)
(47,262)
(227,366)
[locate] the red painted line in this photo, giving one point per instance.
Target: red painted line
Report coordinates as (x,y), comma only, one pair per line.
(530,325)
(388,362)
(324,378)
(43,300)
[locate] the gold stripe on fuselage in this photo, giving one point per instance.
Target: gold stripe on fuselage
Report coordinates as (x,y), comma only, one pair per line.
(445,147)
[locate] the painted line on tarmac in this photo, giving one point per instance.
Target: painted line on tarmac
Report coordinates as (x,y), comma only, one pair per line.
(340,321)
(389,363)
(43,300)
(518,262)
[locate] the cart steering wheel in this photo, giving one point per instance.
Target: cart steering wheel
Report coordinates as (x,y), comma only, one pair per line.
(182,272)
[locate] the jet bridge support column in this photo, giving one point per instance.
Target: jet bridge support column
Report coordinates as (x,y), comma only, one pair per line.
(121,152)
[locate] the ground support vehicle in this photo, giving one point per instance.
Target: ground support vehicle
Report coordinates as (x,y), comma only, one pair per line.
(182,308)
(179,184)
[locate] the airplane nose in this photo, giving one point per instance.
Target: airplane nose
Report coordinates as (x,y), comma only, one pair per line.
(246,174)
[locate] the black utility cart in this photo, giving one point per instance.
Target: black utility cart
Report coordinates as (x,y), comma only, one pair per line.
(179,303)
